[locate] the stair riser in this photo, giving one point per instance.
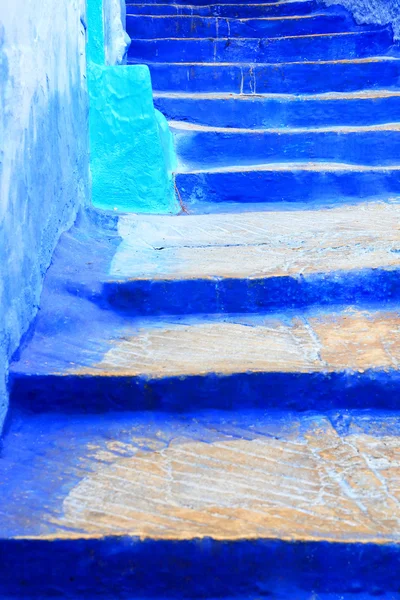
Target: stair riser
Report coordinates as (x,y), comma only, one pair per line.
(199,190)
(228,295)
(217,149)
(127,568)
(294,78)
(143,27)
(284,391)
(258,112)
(230,10)
(277,50)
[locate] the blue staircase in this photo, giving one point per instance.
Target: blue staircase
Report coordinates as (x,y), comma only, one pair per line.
(208,403)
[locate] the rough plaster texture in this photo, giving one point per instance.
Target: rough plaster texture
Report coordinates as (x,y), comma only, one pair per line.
(130,162)
(44,151)
(132,154)
(380,12)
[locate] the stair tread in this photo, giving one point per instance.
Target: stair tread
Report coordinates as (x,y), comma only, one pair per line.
(196,6)
(309,342)
(264,40)
(186,126)
(263,244)
(372,59)
(346,240)
(294,166)
(242,20)
(252,476)
(250,97)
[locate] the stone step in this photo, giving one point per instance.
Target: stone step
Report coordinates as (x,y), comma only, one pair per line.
(98,356)
(227,9)
(287,78)
(333,46)
(204,147)
(180,26)
(281,110)
(255,505)
(307,184)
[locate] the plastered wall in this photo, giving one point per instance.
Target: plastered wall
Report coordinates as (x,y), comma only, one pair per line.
(44,176)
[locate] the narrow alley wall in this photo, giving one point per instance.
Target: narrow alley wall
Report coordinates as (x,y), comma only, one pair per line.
(43,152)
(380,12)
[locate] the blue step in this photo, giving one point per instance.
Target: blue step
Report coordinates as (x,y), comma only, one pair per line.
(308,184)
(145,27)
(301,77)
(202,147)
(301,7)
(237,506)
(321,47)
(299,360)
(276,110)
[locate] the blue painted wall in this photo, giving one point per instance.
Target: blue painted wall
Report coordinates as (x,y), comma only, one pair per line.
(43,152)
(131,148)
(380,12)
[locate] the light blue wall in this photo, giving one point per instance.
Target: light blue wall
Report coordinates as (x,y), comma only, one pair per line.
(131,148)
(380,12)
(43,149)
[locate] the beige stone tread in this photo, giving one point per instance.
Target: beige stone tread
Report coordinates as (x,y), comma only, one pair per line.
(350,340)
(247,476)
(258,244)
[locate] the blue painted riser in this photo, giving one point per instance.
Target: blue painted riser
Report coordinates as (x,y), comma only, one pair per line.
(229,10)
(325,47)
(227,295)
(215,148)
(258,112)
(285,391)
(146,27)
(127,568)
(200,190)
(296,78)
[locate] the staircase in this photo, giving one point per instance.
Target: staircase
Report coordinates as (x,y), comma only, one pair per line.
(207,406)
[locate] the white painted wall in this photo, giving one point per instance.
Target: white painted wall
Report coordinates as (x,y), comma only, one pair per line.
(43,150)
(116,40)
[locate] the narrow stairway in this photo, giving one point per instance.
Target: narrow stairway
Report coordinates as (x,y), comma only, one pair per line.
(208,404)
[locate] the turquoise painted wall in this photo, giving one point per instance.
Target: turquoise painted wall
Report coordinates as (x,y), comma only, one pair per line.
(44,166)
(380,12)
(131,147)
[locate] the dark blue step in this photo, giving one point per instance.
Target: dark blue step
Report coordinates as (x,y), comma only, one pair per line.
(299,48)
(290,78)
(274,110)
(319,185)
(301,7)
(145,27)
(201,147)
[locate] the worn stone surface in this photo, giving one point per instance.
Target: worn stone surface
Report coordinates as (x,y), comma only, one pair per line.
(258,244)
(248,476)
(353,340)
(373,11)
